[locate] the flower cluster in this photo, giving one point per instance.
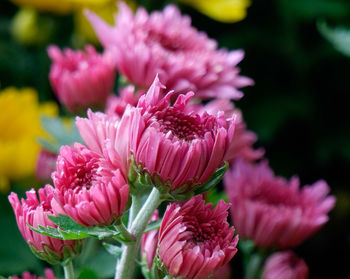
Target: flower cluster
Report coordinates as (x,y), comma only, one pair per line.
(168,137)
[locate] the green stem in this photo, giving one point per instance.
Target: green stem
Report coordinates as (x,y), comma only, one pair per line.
(135,208)
(126,266)
(254,266)
(68,271)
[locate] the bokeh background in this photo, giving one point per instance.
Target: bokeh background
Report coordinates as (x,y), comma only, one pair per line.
(296,51)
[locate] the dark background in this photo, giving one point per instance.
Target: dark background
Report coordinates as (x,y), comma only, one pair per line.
(299,108)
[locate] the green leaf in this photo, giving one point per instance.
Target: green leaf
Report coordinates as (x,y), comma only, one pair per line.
(155,225)
(338,36)
(63,133)
(114,250)
(213,181)
(69,230)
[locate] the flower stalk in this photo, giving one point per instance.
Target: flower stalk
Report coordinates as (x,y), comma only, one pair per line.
(68,270)
(126,265)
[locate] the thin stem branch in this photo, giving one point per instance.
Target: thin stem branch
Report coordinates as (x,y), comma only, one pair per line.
(126,266)
(125,234)
(254,266)
(136,203)
(68,271)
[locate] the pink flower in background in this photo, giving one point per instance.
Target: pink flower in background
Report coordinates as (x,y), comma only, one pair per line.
(272,211)
(81,79)
(26,275)
(116,105)
(86,189)
(285,265)
(165,43)
(179,148)
(243,140)
(45,165)
(34,211)
(195,239)
(149,242)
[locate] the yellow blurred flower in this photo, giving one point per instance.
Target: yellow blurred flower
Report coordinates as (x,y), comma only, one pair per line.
(53,6)
(103,8)
(20,128)
(221,10)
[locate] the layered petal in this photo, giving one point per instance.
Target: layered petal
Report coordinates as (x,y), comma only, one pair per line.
(195,240)
(165,43)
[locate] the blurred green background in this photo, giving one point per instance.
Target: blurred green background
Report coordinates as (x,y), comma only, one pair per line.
(299,106)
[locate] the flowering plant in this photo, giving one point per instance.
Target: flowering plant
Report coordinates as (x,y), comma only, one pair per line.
(168,138)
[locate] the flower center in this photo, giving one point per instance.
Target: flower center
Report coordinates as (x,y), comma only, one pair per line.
(83,175)
(185,127)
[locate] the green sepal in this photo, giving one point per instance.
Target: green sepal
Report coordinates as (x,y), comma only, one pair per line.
(69,230)
(213,181)
(114,250)
(50,257)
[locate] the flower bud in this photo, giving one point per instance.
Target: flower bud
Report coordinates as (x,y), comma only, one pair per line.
(34,211)
(81,79)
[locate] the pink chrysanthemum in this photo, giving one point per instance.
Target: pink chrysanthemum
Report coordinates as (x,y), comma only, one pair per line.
(81,79)
(26,275)
(34,211)
(165,43)
(272,211)
(196,240)
(243,140)
(181,149)
(45,165)
(285,265)
(149,242)
(86,189)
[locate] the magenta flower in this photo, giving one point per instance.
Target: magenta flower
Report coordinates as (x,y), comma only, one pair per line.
(45,165)
(243,140)
(223,272)
(165,43)
(149,242)
(86,189)
(179,148)
(272,211)
(285,265)
(34,211)
(26,275)
(196,240)
(81,79)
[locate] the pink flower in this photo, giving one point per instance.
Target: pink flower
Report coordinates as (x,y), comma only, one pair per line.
(26,275)
(81,79)
(86,189)
(243,140)
(165,43)
(34,211)
(196,240)
(116,105)
(285,265)
(45,165)
(179,148)
(149,242)
(272,211)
